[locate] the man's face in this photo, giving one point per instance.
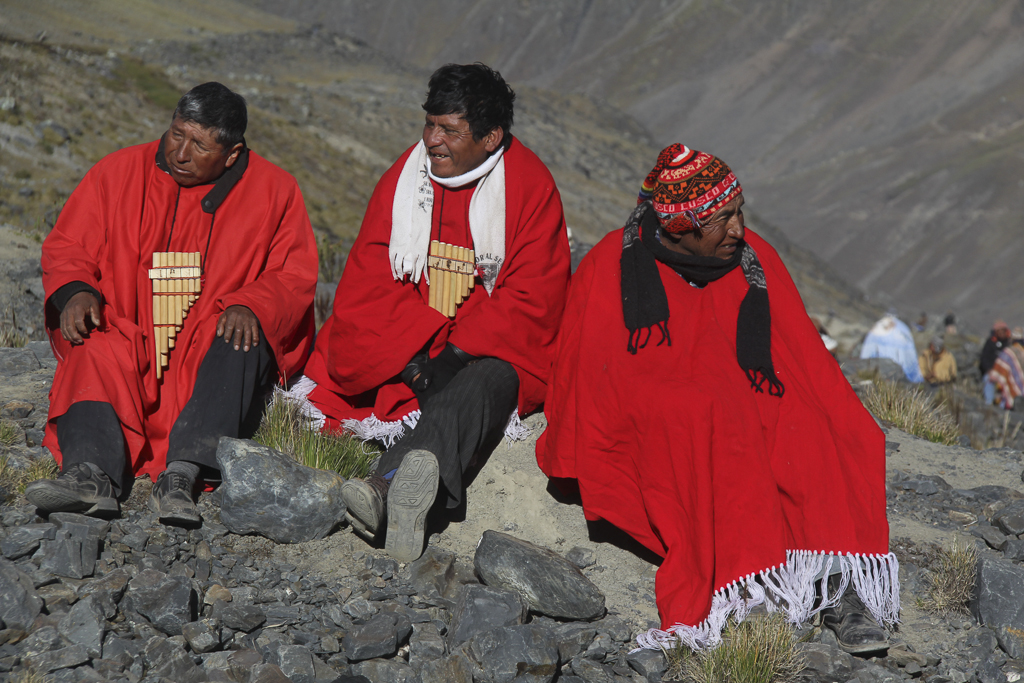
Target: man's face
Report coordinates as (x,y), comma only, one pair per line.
(451,148)
(194,155)
(719,237)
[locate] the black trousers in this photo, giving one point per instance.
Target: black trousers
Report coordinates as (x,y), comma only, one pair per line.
(228,399)
(467,417)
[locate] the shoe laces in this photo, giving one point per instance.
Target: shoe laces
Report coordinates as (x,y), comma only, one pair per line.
(173,481)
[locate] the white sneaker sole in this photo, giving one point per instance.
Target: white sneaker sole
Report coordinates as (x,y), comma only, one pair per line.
(413,491)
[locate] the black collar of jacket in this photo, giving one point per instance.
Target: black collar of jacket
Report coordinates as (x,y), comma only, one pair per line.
(216,196)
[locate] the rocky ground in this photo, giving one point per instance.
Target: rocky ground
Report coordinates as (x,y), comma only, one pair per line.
(130,599)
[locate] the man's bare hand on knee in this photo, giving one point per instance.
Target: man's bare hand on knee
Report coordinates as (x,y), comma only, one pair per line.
(239,325)
(80,312)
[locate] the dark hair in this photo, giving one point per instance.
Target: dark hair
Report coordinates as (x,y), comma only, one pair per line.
(212,105)
(476,92)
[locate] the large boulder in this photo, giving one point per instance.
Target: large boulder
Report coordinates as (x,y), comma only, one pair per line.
(266,492)
(999,594)
(549,583)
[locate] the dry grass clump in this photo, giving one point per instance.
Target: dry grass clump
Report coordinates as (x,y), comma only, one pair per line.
(758,650)
(912,410)
(10,335)
(286,429)
(13,480)
(27,676)
(10,433)
(953,578)
(332,255)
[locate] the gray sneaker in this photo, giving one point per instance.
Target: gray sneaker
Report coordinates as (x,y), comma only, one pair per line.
(413,490)
(171,500)
(365,500)
(82,487)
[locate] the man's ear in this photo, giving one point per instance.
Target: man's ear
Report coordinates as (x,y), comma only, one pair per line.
(493,140)
(233,155)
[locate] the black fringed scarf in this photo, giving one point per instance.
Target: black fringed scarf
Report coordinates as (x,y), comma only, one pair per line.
(645,306)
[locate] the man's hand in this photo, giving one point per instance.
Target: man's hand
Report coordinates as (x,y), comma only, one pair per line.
(81,310)
(239,325)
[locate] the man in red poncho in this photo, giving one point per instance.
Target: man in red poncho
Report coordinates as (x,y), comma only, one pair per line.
(694,403)
(399,352)
(243,252)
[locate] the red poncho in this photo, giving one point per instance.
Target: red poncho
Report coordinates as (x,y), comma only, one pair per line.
(673,446)
(262,255)
(379,324)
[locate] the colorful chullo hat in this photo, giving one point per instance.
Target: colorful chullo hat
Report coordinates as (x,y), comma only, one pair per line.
(687,187)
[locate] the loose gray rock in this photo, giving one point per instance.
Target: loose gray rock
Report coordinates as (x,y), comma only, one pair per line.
(453,669)
(1011,518)
(380,670)
(295,662)
(24,540)
(65,658)
(425,645)
(44,640)
(591,671)
(573,639)
(245,618)
(165,660)
(1011,641)
(19,602)
(268,673)
(526,653)
(376,638)
(481,608)
(432,572)
(203,635)
(16,361)
(581,557)
(999,594)
(267,493)
(992,536)
(650,664)
(169,602)
(826,662)
(549,583)
(84,625)
(63,557)
(108,589)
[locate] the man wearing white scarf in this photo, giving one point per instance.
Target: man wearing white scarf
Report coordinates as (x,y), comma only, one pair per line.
(436,386)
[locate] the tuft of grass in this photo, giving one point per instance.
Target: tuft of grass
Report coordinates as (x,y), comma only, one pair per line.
(953,578)
(14,480)
(10,432)
(912,410)
(758,650)
(150,81)
(286,429)
(10,335)
(26,676)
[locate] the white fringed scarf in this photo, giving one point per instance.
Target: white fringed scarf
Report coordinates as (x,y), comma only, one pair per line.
(791,589)
(372,428)
(413,208)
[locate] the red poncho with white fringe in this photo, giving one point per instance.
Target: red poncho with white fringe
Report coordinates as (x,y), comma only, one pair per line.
(674,447)
(379,324)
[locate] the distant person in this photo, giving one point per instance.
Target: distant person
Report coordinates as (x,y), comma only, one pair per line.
(440,377)
(694,404)
(830,344)
(148,383)
(922,323)
(1007,374)
(998,338)
(891,338)
(938,366)
(950,323)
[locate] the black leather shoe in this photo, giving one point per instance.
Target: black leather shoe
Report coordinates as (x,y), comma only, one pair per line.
(82,487)
(855,628)
(366,500)
(171,500)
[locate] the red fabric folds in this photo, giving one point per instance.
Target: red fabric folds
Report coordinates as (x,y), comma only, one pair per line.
(378,324)
(674,447)
(262,254)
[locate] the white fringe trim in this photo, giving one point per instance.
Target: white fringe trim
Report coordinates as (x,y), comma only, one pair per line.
(374,429)
(790,588)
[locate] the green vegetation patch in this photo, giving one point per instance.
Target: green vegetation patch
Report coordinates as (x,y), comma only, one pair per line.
(758,650)
(909,408)
(148,80)
(286,429)
(13,480)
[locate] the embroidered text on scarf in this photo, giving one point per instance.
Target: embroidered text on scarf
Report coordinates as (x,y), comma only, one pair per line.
(645,305)
(412,211)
